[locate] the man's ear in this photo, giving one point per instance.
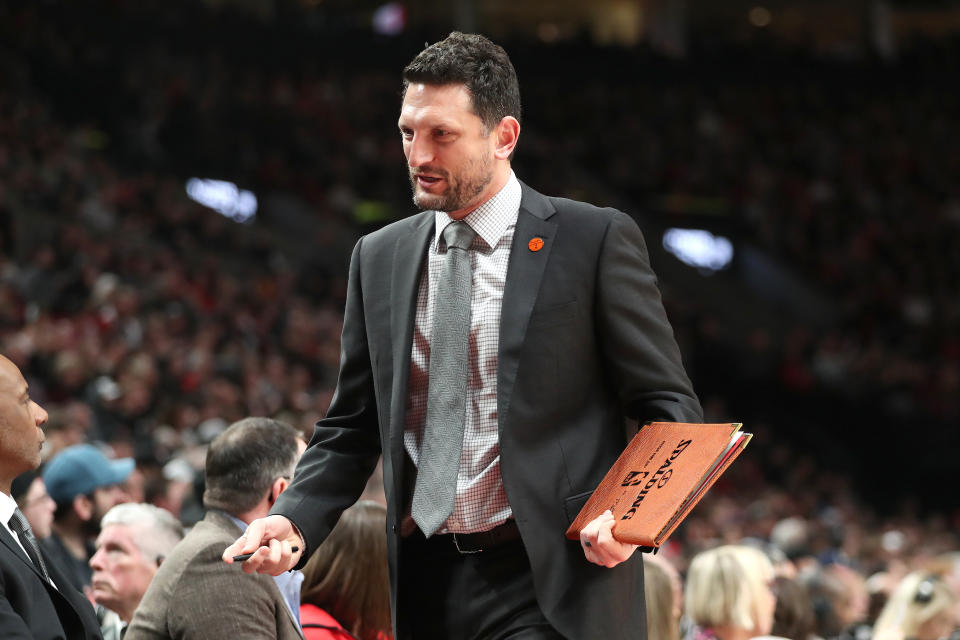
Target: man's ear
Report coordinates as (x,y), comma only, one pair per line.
(83,507)
(507,133)
(279,486)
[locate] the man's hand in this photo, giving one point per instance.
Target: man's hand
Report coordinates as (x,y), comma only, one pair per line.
(598,543)
(271,541)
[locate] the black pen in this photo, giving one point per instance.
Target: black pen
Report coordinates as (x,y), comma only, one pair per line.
(246,556)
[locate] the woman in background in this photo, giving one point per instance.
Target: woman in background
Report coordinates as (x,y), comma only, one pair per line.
(793,617)
(345,592)
(922,607)
(730,594)
(663,621)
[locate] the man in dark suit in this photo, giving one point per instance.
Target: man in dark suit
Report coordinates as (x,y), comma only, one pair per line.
(564,336)
(37,599)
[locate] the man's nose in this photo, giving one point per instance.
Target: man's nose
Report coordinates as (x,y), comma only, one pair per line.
(40,415)
(419,152)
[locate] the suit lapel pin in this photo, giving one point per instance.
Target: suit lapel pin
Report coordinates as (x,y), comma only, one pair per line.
(535,244)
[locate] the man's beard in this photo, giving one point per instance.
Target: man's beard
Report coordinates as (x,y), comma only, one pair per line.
(91,527)
(461,190)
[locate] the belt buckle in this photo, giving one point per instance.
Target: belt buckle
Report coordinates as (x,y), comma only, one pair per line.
(456,544)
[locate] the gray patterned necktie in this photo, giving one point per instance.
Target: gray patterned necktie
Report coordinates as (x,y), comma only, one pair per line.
(436,486)
(19,525)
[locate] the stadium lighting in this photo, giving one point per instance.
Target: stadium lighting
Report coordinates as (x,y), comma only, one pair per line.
(390,19)
(699,248)
(760,17)
(224,197)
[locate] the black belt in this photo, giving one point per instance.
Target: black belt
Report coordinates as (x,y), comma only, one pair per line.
(477,542)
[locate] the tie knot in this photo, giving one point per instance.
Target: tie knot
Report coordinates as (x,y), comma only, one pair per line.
(458,235)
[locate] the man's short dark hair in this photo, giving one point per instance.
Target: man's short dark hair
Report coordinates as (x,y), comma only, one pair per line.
(479,64)
(244,460)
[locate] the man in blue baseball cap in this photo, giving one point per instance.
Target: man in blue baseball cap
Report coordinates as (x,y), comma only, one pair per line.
(85,484)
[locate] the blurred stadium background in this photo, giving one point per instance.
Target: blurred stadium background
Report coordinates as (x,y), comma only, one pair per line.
(181,184)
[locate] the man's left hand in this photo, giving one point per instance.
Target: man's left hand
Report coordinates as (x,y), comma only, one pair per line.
(599,545)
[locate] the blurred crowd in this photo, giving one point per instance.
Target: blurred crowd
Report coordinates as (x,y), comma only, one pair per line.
(742,591)
(146,323)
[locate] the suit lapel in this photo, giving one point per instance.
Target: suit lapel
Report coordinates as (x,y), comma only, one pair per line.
(524,274)
(409,253)
(11,544)
(61,589)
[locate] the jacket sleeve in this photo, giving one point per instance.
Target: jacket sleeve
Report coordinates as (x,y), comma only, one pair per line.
(345,445)
(635,335)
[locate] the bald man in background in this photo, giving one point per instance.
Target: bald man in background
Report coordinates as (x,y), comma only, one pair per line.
(37,600)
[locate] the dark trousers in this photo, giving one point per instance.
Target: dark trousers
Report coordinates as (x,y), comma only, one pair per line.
(446,595)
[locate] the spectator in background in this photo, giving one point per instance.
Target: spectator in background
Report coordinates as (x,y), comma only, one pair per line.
(839,598)
(36,599)
(34,501)
(662,621)
(922,607)
(85,484)
(68,426)
(248,466)
(793,617)
(946,566)
(676,582)
(134,540)
(345,591)
(853,607)
(792,537)
(730,594)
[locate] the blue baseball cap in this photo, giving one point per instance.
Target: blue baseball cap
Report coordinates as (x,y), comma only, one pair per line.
(80,469)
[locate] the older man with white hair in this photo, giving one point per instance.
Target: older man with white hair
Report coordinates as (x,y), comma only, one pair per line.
(134,539)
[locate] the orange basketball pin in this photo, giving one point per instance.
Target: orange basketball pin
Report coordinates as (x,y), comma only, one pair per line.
(535,244)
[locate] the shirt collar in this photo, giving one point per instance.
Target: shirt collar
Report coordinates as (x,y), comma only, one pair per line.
(288,583)
(492,218)
(240,523)
(7,506)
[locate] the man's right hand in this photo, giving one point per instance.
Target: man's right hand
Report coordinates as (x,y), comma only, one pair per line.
(271,541)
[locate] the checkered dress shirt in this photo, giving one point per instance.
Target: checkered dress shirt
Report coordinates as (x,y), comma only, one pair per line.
(481,501)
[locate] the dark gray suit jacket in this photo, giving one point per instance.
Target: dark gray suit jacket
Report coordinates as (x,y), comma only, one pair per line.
(31,608)
(584,342)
